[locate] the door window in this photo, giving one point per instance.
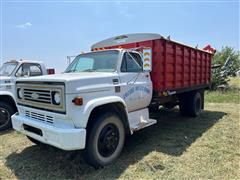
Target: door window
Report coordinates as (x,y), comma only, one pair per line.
(131,62)
(29,70)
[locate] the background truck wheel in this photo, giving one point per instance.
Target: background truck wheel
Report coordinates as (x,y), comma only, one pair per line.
(191,104)
(6,111)
(105,140)
(34,141)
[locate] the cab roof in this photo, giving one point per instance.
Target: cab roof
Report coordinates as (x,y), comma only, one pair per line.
(24,61)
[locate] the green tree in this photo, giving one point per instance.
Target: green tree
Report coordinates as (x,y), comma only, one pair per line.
(228,53)
(229,62)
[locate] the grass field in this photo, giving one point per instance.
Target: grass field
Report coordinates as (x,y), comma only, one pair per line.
(206,147)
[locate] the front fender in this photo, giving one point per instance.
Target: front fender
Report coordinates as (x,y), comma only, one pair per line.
(90,105)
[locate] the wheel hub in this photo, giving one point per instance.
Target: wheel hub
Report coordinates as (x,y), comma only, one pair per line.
(108,140)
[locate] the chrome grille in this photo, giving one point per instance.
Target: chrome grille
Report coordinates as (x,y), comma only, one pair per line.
(40,117)
(42,96)
(37,95)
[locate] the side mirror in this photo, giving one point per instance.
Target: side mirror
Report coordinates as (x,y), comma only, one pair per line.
(147,59)
(18,74)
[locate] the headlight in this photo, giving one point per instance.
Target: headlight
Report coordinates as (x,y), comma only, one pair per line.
(20,93)
(56,98)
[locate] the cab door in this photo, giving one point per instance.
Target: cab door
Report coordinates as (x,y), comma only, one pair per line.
(136,85)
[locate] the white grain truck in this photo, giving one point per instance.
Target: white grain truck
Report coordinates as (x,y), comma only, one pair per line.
(107,93)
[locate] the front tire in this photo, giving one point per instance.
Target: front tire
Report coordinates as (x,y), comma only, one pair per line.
(6,111)
(105,140)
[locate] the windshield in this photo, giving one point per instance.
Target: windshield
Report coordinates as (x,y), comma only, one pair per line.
(104,61)
(7,69)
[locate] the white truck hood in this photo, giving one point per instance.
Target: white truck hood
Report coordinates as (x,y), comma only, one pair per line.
(3,78)
(79,82)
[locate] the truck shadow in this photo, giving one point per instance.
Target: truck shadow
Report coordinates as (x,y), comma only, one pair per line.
(172,135)
(5,132)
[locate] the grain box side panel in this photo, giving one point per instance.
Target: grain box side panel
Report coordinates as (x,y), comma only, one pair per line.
(175,66)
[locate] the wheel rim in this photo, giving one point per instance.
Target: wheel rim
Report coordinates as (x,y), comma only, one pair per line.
(108,140)
(4,117)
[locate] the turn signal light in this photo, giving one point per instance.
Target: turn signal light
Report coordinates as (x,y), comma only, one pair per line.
(78,101)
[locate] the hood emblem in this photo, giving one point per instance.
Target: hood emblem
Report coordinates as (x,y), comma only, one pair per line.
(35,95)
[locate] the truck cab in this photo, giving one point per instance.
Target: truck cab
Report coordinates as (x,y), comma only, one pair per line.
(9,73)
(104,91)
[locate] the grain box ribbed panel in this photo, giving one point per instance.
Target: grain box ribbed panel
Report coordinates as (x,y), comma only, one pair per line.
(175,65)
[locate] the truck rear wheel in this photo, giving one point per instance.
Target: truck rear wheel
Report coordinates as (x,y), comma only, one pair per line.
(105,140)
(191,104)
(6,111)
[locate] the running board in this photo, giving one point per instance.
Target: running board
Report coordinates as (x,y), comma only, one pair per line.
(140,119)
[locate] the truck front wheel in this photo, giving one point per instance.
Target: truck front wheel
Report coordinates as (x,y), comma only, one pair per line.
(6,111)
(105,140)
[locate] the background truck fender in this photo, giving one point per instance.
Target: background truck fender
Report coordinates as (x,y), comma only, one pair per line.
(7,93)
(94,103)
(8,97)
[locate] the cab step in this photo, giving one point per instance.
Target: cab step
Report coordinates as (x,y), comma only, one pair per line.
(140,119)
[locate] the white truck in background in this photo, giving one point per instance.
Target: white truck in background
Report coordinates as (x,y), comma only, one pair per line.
(9,73)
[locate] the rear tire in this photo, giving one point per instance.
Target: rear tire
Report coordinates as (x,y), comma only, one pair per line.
(191,104)
(105,140)
(6,111)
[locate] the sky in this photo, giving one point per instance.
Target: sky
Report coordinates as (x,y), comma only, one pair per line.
(50,31)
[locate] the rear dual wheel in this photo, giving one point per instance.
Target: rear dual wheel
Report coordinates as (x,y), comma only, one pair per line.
(105,140)
(191,104)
